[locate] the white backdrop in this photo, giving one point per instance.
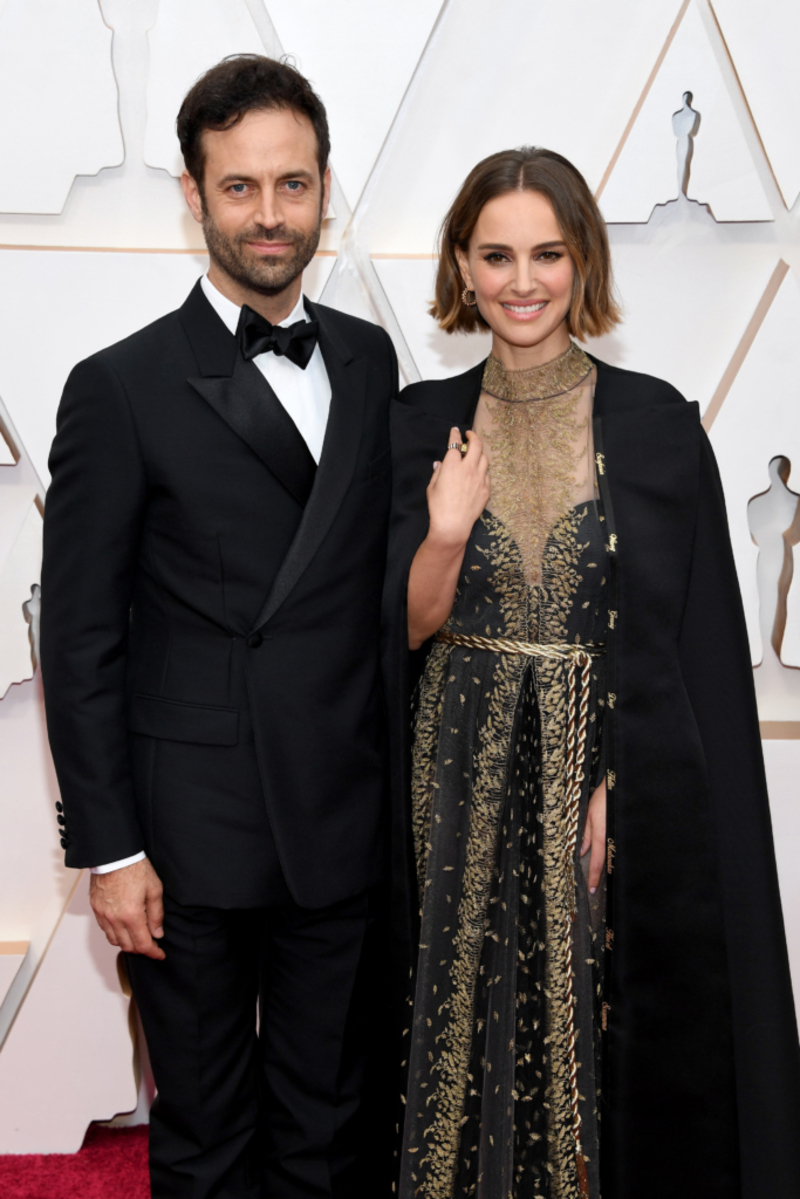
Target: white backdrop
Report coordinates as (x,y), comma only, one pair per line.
(95,242)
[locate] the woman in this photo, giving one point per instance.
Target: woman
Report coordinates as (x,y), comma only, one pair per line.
(601,939)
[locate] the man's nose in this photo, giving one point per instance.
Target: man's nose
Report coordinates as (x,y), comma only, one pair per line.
(268,211)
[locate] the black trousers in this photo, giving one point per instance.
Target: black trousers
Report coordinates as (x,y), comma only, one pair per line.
(291,1110)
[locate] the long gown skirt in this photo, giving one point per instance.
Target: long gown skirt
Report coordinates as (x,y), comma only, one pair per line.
(504,1055)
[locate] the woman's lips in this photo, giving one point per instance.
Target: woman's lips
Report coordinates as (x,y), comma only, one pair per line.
(525,312)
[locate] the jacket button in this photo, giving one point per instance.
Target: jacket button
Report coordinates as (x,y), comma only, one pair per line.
(64,843)
(59,807)
(61,820)
(254,640)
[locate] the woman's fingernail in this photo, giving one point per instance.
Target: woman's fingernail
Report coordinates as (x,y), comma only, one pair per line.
(593,890)
(436,465)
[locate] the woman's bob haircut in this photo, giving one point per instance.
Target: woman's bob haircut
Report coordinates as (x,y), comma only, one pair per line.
(593,310)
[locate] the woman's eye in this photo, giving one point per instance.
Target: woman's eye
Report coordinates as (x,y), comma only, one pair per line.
(495,256)
(550,255)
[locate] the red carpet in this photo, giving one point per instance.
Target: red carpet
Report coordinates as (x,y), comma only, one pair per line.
(112,1164)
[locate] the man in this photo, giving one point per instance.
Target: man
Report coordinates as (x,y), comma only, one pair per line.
(215,543)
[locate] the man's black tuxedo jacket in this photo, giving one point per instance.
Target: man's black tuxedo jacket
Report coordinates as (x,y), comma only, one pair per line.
(210,642)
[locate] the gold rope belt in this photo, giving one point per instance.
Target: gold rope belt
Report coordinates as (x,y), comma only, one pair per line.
(555,650)
(578,694)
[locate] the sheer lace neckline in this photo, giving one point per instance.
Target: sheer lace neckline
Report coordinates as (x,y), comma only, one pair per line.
(544,382)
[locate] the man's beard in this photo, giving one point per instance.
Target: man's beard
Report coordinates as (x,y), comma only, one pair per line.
(266,276)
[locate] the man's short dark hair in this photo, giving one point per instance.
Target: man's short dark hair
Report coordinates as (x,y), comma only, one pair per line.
(240,84)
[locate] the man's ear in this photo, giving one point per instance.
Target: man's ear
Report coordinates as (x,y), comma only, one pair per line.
(326,192)
(192,194)
(463,266)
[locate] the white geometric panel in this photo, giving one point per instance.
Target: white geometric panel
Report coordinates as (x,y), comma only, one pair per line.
(68,1058)
(360,85)
(6,456)
(687,300)
(20,569)
(99,299)
(188,37)
(409,284)
(540,72)
(764,41)
(759,419)
(58,101)
(723,174)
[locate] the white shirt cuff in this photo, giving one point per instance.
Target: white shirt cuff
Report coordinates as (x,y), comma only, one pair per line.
(137,857)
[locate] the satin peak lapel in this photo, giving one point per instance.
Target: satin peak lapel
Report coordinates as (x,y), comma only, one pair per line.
(348,379)
(247,403)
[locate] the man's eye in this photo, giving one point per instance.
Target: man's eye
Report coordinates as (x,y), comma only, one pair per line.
(239,189)
(294,185)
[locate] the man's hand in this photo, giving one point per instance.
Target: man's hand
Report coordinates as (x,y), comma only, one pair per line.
(129,908)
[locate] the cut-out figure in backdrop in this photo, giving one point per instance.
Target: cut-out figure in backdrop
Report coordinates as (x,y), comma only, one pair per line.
(215,540)
(602,1003)
(685,124)
(773,517)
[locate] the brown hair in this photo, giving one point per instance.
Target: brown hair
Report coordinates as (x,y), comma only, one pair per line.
(593,310)
(238,85)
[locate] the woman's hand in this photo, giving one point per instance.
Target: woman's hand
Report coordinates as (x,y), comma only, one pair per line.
(458,492)
(594,836)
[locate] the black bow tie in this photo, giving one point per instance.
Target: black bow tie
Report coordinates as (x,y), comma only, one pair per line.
(257,336)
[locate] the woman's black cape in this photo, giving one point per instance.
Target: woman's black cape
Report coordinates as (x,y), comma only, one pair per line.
(701,1091)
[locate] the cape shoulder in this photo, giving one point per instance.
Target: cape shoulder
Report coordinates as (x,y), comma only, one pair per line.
(617,390)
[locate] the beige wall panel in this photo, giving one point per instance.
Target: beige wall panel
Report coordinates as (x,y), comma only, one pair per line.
(763,37)
(500,75)
(361,89)
(68,1058)
(758,420)
(723,173)
(189,36)
(58,101)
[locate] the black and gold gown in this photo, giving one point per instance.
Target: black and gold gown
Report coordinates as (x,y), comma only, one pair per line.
(503,1066)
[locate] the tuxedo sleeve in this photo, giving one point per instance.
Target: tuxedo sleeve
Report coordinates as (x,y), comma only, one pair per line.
(92,531)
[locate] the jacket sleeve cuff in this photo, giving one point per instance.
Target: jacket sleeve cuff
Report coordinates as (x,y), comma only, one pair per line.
(137,857)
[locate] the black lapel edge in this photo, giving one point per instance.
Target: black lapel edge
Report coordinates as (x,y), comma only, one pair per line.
(249,406)
(348,379)
(214,346)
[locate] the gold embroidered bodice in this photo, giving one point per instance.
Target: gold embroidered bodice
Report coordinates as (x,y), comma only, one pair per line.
(536,427)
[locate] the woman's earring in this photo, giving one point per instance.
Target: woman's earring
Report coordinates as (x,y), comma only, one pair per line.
(467,302)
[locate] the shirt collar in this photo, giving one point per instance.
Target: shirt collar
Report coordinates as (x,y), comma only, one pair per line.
(228,312)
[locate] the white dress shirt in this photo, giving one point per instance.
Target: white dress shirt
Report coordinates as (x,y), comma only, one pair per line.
(305,394)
